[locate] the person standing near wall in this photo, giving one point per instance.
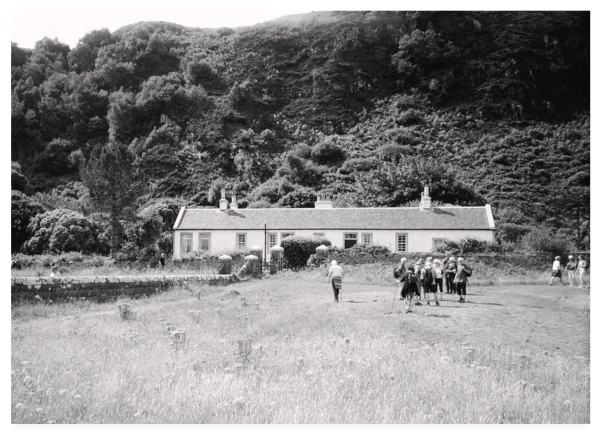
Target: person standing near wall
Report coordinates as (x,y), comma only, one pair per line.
(463,272)
(336,273)
(571,268)
(419,266)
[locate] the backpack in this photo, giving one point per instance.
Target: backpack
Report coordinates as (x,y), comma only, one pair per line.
(412,278)
(396,274)
(584,264)
(468,271)
(427,275)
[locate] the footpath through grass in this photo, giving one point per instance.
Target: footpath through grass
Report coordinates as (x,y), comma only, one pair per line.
(280,351)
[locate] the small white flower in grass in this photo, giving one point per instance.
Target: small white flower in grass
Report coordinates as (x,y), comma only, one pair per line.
(20,406)
(39,410)
(567,402)
(62,392)
(76,397)
(51,422)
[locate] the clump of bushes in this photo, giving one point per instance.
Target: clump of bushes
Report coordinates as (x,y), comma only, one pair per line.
(63,230)
(469,245)
(297,249)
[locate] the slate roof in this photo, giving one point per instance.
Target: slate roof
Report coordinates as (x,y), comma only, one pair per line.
(392,218)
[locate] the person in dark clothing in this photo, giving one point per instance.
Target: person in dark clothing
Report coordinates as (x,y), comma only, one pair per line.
(410,288)
(450,273)
(161,260)
(461,279)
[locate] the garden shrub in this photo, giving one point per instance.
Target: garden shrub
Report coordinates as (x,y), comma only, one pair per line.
(297,249)
(469,245)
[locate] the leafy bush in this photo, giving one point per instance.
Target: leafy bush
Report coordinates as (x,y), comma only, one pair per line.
(393,152)
(327,153)
(22,209)
(360,254)
(469,245)
(62,230)
(301,197)
(539,240)
(18,181)
(297,249)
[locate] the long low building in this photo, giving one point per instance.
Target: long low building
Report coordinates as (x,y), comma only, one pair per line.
(401,229)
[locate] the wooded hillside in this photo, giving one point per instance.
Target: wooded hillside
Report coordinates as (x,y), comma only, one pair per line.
(487,107)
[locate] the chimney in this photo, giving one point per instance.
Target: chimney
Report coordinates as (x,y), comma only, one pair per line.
(223,201)
(323,202)
(425,200)
(233,203)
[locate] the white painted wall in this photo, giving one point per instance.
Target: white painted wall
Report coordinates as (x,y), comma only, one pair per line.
(223,241)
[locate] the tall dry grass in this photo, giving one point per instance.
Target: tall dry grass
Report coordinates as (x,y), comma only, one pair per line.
(274,351)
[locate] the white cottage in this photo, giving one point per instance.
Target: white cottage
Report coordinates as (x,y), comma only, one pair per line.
(401,229)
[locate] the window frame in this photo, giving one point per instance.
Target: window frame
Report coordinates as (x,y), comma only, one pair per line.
(185,235)
(237,241)
(405,234)
(200,234)
(269,239)
(350,239)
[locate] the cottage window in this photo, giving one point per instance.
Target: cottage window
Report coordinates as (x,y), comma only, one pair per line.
(272,238)
(367,238)
(241,241)
(401,242)
(350,239)
(186,243)
(319,234)
(204,241)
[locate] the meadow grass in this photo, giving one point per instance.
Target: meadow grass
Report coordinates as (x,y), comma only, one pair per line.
(280,351)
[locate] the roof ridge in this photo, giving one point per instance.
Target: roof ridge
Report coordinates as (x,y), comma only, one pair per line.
(340,208)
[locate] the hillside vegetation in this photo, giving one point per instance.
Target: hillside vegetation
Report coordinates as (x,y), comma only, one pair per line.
(486,107)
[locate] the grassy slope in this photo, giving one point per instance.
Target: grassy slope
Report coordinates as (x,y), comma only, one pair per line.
(507,356)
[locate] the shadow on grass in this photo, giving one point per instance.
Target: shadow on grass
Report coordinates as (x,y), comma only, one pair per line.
(486,304)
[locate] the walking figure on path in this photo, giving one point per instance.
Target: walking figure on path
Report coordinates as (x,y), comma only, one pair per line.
(336,273)
(556,271)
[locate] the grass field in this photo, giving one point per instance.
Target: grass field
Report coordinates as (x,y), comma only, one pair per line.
(280,351)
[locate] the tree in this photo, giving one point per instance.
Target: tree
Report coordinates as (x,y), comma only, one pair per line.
(113,184)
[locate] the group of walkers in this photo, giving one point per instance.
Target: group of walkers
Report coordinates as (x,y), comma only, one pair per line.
(429,276)
(573,269)
(418,282)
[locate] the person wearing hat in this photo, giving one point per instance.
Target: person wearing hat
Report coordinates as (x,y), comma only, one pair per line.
(556,271)
(582,267)
(335,274)
(571,267)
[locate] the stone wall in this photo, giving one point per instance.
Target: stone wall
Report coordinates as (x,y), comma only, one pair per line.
(98,288)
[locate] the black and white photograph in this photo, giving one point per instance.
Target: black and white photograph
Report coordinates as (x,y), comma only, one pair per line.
(312,215)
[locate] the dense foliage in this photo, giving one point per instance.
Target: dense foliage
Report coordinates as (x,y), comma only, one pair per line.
(486,107)
(298,249)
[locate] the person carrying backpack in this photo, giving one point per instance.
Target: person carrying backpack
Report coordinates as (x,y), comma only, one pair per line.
(399,271)
(410,288)
(438,275)
(556,271)
(428,280)
(463,272)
